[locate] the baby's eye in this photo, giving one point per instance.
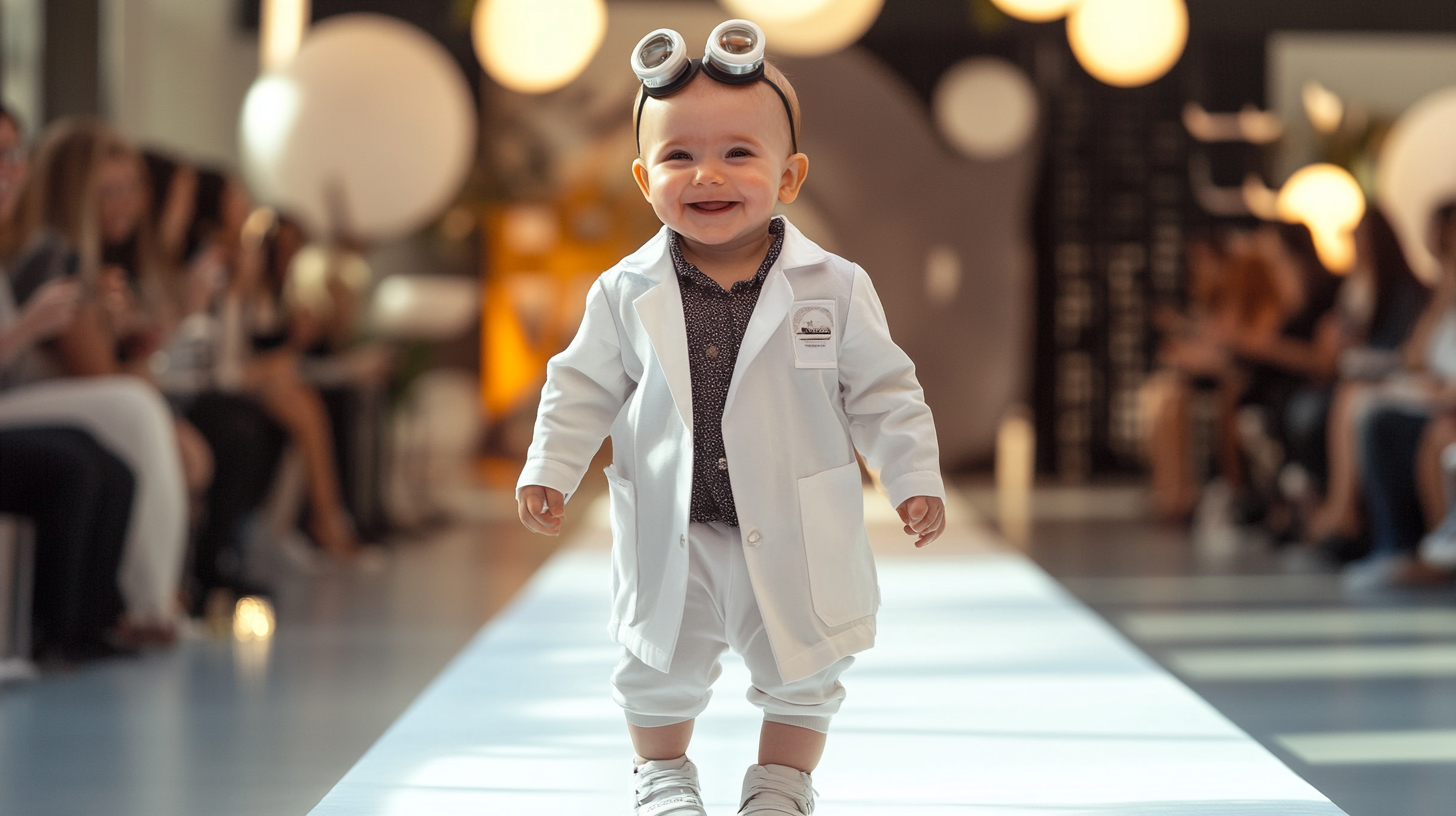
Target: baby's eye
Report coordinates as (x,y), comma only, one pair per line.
(738,153)
(678,155)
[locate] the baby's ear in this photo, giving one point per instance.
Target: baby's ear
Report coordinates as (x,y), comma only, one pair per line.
(639,172)
(795,172)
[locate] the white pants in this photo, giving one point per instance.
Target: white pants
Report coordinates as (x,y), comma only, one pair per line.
(130,419)
(721,612)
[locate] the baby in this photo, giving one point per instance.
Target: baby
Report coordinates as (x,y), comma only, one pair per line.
(737,367)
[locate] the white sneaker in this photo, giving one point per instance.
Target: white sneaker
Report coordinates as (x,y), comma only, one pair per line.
(778,790)
(667,787)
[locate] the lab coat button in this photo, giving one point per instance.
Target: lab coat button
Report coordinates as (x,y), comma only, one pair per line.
(754,537)
(682,540)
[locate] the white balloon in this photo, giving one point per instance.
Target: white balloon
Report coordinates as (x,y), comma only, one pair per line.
(986,107)
(368,132)
(1417,172)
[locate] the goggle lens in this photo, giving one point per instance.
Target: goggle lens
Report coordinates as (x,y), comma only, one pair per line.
(737,40)
(656,51)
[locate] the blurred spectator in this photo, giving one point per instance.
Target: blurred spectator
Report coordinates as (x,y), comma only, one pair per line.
(1404,438)
(85,498)
(1232,291)
(80,187)
(1382,301)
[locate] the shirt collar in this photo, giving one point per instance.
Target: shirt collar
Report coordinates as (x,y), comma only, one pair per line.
(689,272)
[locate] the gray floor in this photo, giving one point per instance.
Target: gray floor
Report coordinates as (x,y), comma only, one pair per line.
(1272,641)
(218,728)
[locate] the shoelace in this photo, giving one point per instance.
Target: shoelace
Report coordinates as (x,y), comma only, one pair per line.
(665,781)
(764,783)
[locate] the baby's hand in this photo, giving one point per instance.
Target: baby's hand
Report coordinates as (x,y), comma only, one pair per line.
(923,516)
(541,509)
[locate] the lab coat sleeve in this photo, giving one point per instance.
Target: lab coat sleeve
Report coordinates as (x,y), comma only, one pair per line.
(586,386)
(888,419)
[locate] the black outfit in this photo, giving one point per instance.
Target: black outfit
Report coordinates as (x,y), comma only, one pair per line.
(1390,445)
(1297,408)
(78,495)
(716,320)
(246,445)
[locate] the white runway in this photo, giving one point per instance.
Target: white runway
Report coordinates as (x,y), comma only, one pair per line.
(991,692)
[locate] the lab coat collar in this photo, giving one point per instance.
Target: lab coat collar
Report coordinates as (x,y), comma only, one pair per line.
(660,310)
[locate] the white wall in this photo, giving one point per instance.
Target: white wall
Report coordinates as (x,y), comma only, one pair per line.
(176,72)
(1383,73)
(22,26)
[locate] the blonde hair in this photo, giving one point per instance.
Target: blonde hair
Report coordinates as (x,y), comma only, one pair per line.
(771,73)
(62,195)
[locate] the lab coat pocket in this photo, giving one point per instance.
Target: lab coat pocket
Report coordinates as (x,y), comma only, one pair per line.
(841,566)
(624,546)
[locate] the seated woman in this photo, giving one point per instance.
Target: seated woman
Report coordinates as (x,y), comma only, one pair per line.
(1232,292)
(78,377)
(1383,302)
(258,338)
(1405,447)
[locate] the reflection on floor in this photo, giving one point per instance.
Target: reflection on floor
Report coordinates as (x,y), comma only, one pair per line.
(991,692)
(1356,692)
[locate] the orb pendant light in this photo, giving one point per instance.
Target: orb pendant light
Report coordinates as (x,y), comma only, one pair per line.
(535,46)
(1036,11)
(1328,200)
(1128,43)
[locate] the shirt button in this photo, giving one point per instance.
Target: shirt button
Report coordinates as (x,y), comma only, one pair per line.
(722,463)
(754,537)
(711,353)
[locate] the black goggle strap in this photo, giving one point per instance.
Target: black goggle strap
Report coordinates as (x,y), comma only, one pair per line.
(726,78)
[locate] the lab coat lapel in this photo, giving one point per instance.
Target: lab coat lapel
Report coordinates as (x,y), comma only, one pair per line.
(660,310)
(773,305)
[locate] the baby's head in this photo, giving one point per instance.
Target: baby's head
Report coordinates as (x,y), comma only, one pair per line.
(715,158)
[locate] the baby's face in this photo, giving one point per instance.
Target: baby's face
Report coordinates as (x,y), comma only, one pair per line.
(715,160)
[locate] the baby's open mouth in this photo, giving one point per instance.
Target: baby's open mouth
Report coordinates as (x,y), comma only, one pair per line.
(711,206)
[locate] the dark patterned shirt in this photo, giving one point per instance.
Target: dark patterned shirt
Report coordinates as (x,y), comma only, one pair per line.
(716,320)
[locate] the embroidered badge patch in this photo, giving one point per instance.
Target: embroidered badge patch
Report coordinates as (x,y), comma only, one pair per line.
(812,322)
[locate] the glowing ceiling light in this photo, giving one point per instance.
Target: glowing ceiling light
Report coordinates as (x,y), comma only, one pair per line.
(1329,201)
(1128,43)
(281,27)
(809,28)
(535,46)
(1036,11)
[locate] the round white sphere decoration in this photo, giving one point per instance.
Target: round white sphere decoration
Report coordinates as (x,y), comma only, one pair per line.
(986,107)
(368,132)
(1036,11)
(1128,43)
(535,46)
(809,28)
(1417,172)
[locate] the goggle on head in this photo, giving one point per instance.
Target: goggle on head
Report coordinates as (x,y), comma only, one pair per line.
(734,56)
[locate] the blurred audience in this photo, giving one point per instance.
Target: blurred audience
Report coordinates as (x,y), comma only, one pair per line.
(150,381)
(62,370)
(1333,399)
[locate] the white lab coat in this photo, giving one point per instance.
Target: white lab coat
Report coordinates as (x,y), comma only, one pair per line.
(797,408)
